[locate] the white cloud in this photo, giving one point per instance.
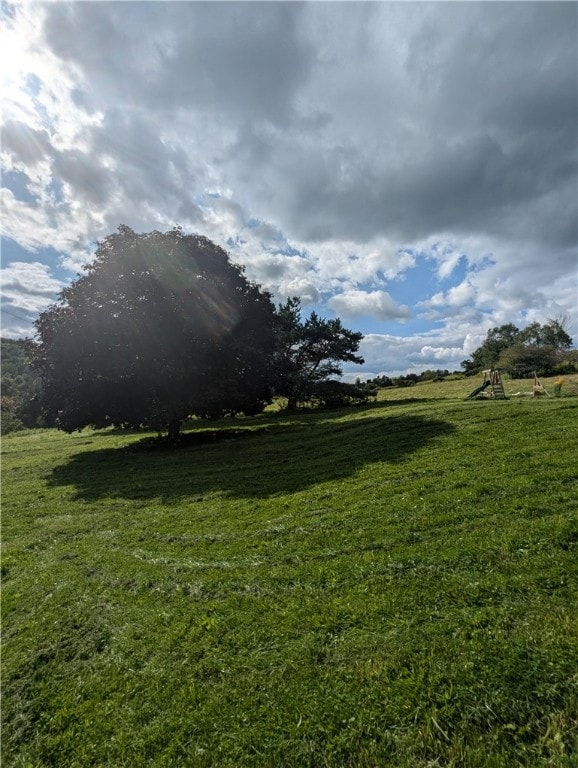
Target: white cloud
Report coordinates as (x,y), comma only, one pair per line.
(429,354)
(28,286)
(302,288)
(378,304)
(375,262)
(457,296)
(390,355)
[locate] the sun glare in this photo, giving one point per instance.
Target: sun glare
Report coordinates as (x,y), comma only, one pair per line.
(17,65)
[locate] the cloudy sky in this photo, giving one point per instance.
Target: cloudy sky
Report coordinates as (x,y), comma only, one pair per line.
(410,167)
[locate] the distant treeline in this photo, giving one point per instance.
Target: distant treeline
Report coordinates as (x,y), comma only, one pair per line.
(20,405)
(411,378)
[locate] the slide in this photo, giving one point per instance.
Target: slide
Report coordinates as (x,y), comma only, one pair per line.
(479,389)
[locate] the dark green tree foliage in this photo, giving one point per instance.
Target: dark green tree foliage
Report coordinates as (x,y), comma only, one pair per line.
(20,387)
(486,356)
(310,352)
(521,360)
(9,418)
(536,347)
(551,334)
(162,326)
(338,394)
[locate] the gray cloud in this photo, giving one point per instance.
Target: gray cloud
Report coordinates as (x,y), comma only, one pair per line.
(347,121)
(329,145)
(239,61)
(463,129)
(89,179)
(29,145)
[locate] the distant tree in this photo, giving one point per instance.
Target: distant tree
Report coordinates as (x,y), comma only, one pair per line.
(509,347)
(437,375)
(337,394)
(20,384)
(568,362)
(470,367)
(310,352)
(381,381)
(521,360)
(555,333)
(409,380)
(161,326)
(9,419)
(531,334)
(551,334)
(497,339)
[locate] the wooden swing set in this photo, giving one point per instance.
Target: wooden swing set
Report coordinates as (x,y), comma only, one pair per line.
(493,381)
(538,390)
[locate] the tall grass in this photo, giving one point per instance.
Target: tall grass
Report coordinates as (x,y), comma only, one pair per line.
(387,586)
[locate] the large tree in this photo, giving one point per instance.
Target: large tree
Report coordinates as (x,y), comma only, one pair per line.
(521,360)
(161,326)
(310,352)
(486,356)
(552,334)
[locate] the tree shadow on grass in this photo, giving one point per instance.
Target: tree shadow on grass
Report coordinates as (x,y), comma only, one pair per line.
(259,461)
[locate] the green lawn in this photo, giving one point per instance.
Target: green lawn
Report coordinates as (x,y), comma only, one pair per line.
(393,586)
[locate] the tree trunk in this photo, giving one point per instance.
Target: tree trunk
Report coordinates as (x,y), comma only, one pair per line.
(174,430)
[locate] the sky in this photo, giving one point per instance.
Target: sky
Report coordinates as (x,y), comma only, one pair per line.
(410,167)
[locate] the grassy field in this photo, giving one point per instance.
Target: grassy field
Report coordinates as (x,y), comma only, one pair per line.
(394,585)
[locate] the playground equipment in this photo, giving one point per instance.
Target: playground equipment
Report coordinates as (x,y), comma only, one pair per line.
(493,380)
(537,390)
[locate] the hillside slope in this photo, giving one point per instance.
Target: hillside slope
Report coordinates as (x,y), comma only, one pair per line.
(390,586)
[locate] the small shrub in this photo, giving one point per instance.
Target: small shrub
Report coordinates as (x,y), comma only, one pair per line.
(337,394)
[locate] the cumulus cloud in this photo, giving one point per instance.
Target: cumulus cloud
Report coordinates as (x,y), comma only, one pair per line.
(457,296)
(378,304)
(302,288)
(27,289)
(428,354)
(29,286)
(391,355)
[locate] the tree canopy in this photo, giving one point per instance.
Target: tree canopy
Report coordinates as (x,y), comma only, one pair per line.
(535,347)
(310,351)
(160,327)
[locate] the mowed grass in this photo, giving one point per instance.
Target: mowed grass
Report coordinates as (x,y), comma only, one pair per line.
(393,585)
